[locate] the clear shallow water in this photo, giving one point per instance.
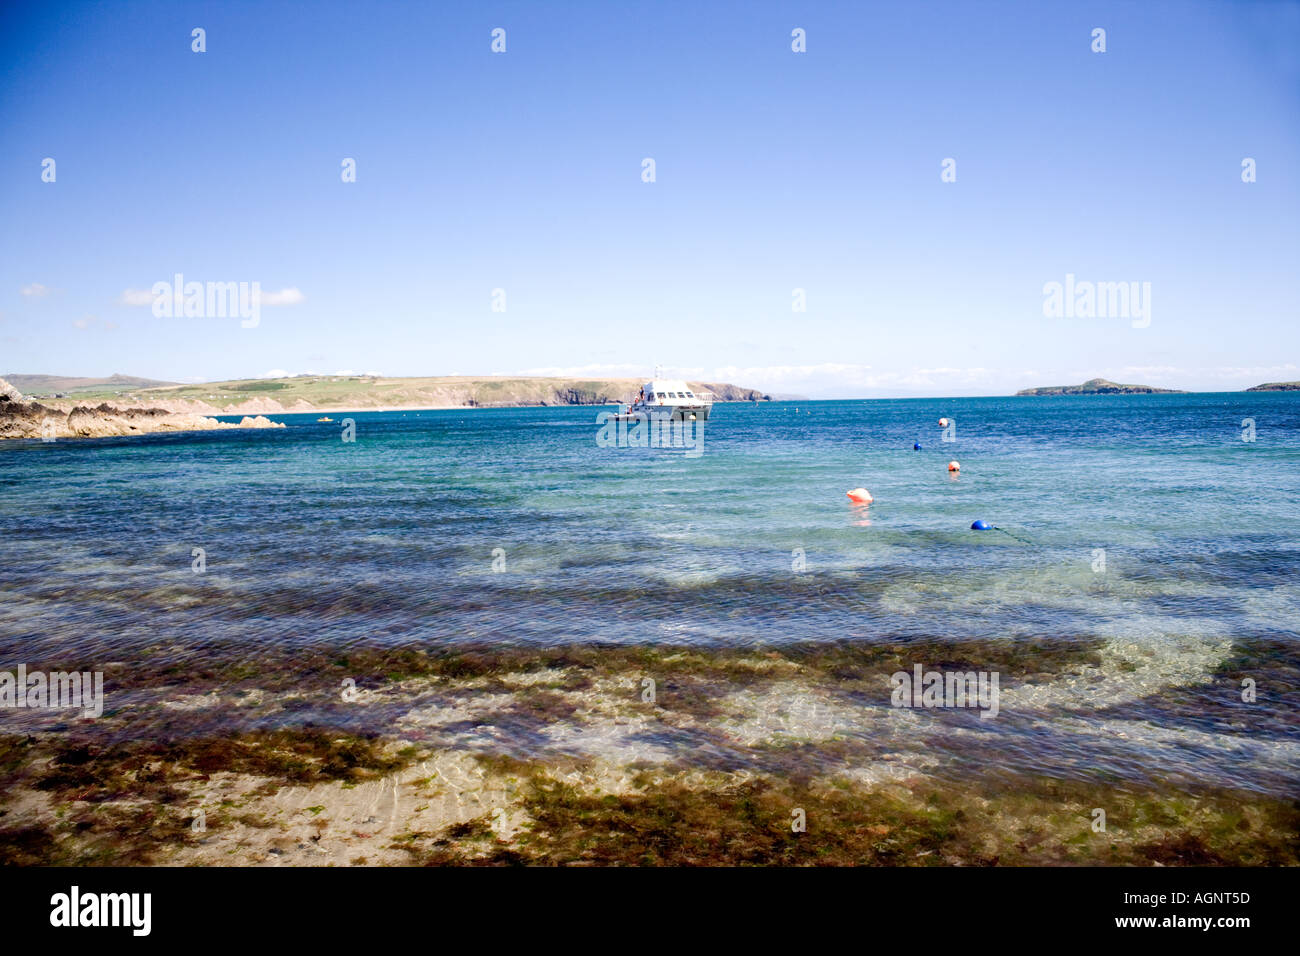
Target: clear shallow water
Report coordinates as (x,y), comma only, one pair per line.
(314,542)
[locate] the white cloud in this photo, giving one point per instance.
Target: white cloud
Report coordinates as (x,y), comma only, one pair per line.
(826,379)
(1191,379)
(581,371)
(290,296)
(345,373)
(87,321)
(135,297)
(1271,372)
(35,289)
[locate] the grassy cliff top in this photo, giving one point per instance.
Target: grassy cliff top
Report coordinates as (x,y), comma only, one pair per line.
(1276,387)
(358,392)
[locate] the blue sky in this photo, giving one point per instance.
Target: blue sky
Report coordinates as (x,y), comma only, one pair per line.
(774,171)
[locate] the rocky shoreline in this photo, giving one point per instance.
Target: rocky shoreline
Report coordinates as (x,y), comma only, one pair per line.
(554,756)
(22,419)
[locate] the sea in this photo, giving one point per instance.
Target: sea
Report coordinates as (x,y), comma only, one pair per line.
(1163,531)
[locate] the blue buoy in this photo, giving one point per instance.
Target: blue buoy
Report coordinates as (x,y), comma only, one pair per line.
(981,525)
(916,446)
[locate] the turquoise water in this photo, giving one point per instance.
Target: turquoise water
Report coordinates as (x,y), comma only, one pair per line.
(314,542)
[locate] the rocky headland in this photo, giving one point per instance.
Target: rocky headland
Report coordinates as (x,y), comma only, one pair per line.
(1276,387)
(20,418)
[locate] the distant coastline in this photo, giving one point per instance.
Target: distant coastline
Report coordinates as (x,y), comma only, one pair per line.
(1100,386)
(341,393)
(122,405)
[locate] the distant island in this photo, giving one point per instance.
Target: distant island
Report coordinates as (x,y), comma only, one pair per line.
(1099,386)
(352,393)
(1276,387)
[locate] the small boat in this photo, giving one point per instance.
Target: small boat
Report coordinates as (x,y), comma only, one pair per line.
(671,399)
(324,418)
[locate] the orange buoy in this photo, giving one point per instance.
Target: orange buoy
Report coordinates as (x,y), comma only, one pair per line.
(954,466)
(943,423)
(860,495)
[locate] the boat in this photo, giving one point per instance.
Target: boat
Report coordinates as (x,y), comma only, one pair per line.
(324,418)
(668,398)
